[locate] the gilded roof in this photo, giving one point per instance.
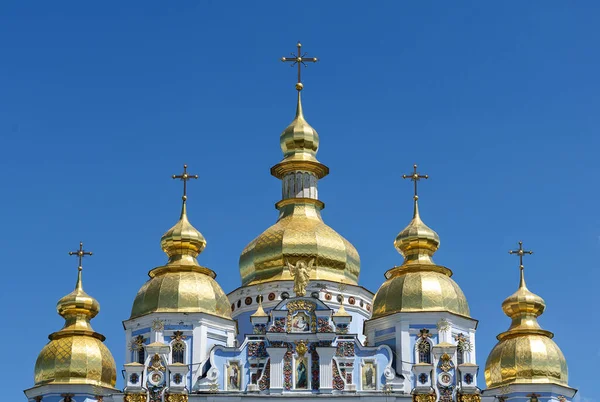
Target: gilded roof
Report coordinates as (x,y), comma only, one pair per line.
(182,285)
(299,234)
(76,354)
(525,353)
(419,284)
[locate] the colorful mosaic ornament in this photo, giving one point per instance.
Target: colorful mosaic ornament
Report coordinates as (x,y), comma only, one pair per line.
(468,378)
(278,325)
(323,325)
(345,349)
(177,378)
(423,378)
(445,394)
(338,383)
(134,378)
(265,380)
(314,366)
(287,369)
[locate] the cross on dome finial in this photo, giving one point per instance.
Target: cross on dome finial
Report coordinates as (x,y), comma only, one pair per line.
(299,59)
(415,177)
(80,254)
(185,176)
(520,252)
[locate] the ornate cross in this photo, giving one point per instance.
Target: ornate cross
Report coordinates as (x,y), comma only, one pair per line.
(520,252)
(185,176)
(415,177)
(300,60)
(80,253)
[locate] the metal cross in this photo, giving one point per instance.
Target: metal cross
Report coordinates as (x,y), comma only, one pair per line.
(80,253)
(185,176)
(300,60)
(415,176)
(520,252)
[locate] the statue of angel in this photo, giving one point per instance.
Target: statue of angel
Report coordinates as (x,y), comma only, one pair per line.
(301,274)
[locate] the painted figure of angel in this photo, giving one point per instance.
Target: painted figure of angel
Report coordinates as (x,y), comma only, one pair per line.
(301,274)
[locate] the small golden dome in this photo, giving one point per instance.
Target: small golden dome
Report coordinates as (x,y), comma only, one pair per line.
(525,354)
(299,234)
(299,141)
(182,285)
(181,292)
(418,284)
(420,291)
(417,242)
(183,242)
(76,354)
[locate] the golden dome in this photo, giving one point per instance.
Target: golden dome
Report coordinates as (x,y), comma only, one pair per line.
(420,291)
(76,354)
(299,141)
(182,286)
(418,284)
(299,234)
(181,292)
(525,354)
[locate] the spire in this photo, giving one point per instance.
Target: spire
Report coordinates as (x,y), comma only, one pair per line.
(260,312)
(77,308)
(523,306)
(183,242)
(417,242)
(299,141)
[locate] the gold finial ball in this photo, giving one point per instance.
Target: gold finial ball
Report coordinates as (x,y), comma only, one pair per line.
(185,166)
(299,86)
(184,197)
(299,44)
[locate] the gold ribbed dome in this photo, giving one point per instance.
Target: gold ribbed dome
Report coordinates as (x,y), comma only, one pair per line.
(182,286)
(419,284)
(299,141)
(525,354)
(299,234)
(76,354)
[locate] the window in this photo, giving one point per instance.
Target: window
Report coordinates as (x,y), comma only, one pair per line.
(178,352)
(424,351)
(460,356)
(141,355)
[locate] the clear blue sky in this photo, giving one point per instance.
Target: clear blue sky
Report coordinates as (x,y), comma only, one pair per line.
(101,103)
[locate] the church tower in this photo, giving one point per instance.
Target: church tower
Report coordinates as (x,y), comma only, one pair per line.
(75,364)
(300,236)
(526,365)
(178,315)
(423,315)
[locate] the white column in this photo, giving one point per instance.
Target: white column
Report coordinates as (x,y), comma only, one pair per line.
(325,368)
(276,361)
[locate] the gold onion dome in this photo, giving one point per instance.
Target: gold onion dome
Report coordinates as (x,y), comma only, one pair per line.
(182,285)
(419,284)
(525,354)
(76,354)
(299,141)
(299,233)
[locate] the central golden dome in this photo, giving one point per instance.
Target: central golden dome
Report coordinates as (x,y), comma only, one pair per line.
(76,354)
(299,234)
(525,354)
(419,284)
(182,286)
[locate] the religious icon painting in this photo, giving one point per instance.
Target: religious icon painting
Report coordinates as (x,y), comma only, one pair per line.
(301,373)
(233,377)
(301,322)
(369,376)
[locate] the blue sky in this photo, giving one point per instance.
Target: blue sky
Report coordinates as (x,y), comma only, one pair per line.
(101,103)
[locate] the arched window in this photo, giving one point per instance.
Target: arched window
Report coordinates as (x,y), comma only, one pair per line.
(424,348)
(178,352)
(460,356)
(141,355)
